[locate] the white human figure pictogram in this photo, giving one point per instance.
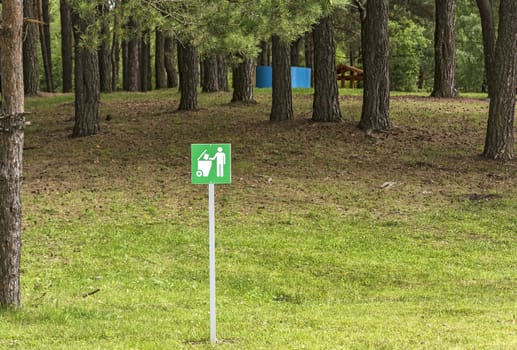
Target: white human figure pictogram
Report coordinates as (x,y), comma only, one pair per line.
(220,159)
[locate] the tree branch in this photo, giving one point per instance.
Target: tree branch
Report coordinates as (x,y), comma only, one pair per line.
(361,6)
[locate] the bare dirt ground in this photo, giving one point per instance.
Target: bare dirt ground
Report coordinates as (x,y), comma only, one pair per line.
(432,154)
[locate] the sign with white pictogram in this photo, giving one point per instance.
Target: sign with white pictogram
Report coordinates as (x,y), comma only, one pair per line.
(211,163)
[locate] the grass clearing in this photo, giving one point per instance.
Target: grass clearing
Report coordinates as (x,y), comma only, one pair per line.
(326,239)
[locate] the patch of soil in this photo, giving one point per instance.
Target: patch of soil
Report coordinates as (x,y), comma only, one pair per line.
(483,196)
(143,148)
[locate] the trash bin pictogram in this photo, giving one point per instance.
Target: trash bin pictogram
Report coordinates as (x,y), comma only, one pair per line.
(203,165)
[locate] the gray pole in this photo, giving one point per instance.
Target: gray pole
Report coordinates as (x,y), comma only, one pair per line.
(211,242)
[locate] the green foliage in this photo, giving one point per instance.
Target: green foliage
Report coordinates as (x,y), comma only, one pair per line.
(290,19)
(421,11)
(55,42)
(469,50)
(407,44)
(231,28)
(91,22)
(347,34)
(221,26)
(235,27)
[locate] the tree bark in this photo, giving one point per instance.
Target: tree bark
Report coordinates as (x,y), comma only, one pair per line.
(30,50)
(131,62)
(170,62)
(361,8)
(243,81)
(202,73)
(282,103)
(444,50)
(87,83)
(295,52)
(104,51)
(115,51)
(376,94)
(489,40)
(46,50)
(67,45)
(308,43)
(12,124)
(145,62)
(263,58)
(499,142)
(159,60)
(188,72)
(222,73)
(326,99)
(210,74)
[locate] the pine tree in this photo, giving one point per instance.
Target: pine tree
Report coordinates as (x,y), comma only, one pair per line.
(12,123)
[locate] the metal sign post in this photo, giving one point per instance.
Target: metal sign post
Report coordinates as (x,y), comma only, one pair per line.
(211,253)
(211,164)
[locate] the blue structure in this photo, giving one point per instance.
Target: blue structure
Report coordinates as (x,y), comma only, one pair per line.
(264,76)
(300,77)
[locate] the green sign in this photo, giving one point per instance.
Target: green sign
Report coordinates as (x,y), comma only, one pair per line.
(211,163)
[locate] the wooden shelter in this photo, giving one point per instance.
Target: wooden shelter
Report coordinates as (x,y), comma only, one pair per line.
(350,73)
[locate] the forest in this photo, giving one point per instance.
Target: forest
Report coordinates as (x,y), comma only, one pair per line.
(372,212)
(404,46)
(411,52)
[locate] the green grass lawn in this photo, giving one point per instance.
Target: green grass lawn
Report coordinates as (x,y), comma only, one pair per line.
(326,238)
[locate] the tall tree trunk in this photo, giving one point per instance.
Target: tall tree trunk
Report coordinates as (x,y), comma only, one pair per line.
(145,62)
(67,45)
(210,74)
(170,62)
(30,50)
(46,50)
(489,41)
(12,124)
(188,71)
(243,81)
(499,142)
(351,53)
(115,51)
(326,99)
(131,61)
(125,60)
(308,43)
(159,60)
(87,83)
(444,50)
(282,104)
(376,95)
(295,52)
(222,73)
(202,74)
(361,8)
(263,58)
(104,51)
